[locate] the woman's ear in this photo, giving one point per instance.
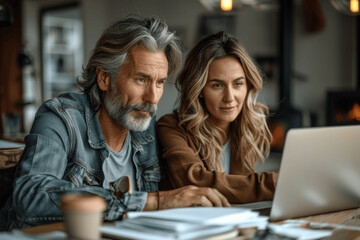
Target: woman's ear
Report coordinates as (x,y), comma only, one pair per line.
(103,79)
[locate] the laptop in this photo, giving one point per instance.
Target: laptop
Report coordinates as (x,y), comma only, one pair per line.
(319,173)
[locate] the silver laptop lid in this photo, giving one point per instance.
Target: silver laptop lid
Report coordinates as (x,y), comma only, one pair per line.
(319,172)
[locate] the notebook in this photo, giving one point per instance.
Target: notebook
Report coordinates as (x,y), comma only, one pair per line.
(319,173)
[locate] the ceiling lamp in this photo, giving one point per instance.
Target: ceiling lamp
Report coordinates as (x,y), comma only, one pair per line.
(234,5)
(226,5)
(349,7)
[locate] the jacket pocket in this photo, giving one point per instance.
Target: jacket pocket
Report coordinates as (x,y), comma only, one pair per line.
(152,177)
(80,177)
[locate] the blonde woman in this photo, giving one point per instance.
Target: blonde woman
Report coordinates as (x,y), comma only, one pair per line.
(219,131)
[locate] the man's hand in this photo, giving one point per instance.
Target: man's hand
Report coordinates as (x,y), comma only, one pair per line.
(188,196)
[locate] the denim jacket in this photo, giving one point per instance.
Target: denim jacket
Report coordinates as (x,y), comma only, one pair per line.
(64,153)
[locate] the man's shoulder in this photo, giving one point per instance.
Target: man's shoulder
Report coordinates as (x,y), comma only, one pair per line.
(68,105)
(66,100)
(61,115)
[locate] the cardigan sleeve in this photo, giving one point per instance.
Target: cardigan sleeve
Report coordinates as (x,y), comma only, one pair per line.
(185,167)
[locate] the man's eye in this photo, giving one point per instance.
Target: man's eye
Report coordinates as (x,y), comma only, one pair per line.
(141,80)
(160,82)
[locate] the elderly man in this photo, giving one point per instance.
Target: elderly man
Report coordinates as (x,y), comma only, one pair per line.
(84,143)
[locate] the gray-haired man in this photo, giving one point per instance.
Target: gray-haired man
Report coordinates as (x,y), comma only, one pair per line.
(84,143)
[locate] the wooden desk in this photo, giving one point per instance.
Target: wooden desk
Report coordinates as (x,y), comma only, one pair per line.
(45,228)
(347,217)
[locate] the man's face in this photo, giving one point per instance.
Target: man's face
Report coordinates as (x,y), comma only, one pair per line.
(132,99)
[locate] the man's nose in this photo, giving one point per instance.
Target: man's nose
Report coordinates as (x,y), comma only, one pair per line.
(152,94)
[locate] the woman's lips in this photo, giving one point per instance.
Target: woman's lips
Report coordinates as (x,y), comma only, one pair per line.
(227,109)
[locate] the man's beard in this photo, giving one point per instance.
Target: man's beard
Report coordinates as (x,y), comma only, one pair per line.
(117,110)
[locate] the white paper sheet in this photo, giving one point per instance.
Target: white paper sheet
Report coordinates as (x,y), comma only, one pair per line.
(298,233)
(201,215)
(10,145)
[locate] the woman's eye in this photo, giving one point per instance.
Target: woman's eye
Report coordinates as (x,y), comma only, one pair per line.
(217,85)
(239,84)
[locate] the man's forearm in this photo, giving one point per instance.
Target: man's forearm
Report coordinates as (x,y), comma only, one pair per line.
(39,202)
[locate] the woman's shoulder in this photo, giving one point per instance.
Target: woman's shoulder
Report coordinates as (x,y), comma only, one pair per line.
(168,120)
(168,130)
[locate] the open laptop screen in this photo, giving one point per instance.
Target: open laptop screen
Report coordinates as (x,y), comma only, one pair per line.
(319,172)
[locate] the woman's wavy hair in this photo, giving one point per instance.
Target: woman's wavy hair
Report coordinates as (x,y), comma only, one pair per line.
(249,134)
(116,41)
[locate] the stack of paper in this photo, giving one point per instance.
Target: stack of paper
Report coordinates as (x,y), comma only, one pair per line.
(185,223)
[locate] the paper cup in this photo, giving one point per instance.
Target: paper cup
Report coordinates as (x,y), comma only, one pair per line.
(83,215)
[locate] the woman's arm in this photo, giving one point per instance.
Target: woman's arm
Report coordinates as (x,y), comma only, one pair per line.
(187,168)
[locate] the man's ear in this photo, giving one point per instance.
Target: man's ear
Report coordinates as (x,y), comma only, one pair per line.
(103,79)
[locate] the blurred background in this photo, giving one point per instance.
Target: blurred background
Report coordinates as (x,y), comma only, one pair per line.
(308,51)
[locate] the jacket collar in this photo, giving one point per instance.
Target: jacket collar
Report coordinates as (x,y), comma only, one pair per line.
(95,136)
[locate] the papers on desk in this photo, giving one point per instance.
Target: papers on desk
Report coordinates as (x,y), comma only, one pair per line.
(10,145)
(18,235)
(132,230)
(185,223)
(295,232)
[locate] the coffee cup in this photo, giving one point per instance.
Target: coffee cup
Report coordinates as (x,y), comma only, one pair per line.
(83,215)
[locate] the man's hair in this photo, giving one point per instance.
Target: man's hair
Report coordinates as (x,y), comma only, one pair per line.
(117,40)
(249,135)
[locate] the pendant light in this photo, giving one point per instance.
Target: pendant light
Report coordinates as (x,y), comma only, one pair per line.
(348,7)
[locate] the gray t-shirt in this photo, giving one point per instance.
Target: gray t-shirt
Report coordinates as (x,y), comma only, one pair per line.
(119,164)
(226,157)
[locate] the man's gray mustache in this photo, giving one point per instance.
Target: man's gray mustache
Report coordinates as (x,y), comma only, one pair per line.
(146,107)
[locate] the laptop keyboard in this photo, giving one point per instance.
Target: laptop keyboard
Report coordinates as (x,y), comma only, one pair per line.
(263,207)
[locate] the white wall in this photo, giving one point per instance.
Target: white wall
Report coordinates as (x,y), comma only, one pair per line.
(325,58)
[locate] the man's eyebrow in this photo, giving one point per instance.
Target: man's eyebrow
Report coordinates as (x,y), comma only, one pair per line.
(164,79)
(148,76)
(143,74)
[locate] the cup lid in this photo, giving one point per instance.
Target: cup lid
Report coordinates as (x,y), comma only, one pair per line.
(82,203)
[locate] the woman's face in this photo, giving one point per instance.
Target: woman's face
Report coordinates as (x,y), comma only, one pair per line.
(225,91)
